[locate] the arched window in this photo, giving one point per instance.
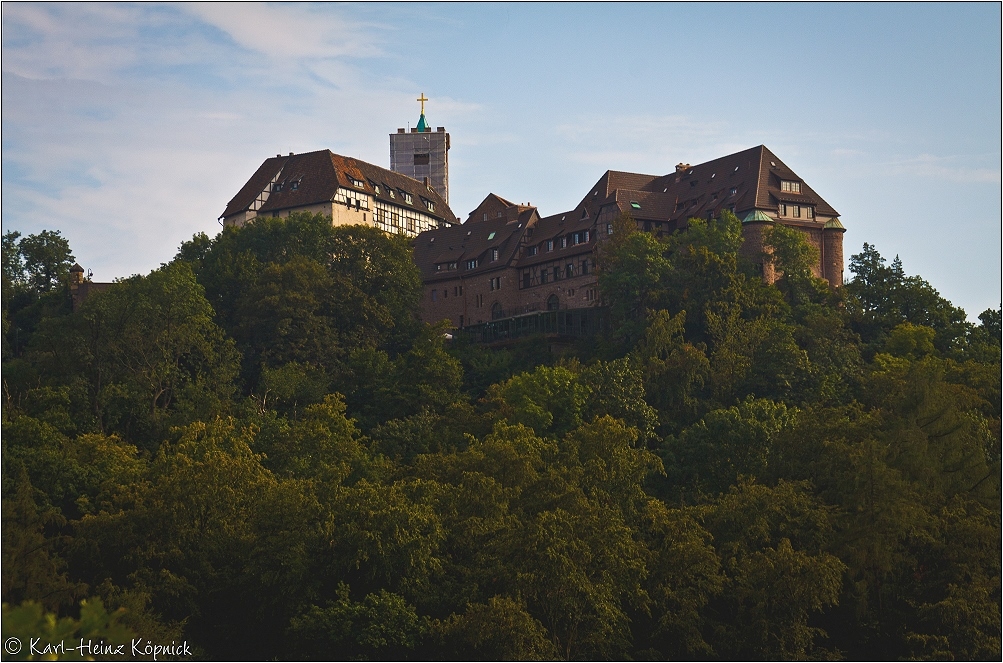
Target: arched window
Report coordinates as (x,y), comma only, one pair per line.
(496,311)
(553,303)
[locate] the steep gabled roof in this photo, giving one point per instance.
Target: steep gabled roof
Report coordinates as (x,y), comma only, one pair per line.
(317,177)
(610,181)
(473,240)
(755,176)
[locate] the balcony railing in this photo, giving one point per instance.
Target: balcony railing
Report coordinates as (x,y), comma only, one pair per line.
(572,322)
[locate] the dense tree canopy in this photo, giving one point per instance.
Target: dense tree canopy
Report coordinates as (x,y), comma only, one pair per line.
(261,450)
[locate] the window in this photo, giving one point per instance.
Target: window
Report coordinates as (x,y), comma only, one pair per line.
(732,191)
(563,242)
(435,295)
(590,295)
(575,238)
(790,187)
(494,255)
(438,267)
(609,228)
(485,216)
(496,283)
(472,264)
(527,280)
(491,235)
(497,311)
(557,273)
(391,192)
(445,293)
(553,303)
(544,275)
(809,212)
(550,245)
(782,209)
(585,266)
(451,266)
(478,301)
(636,205)
(795,211)
(569,270)
(531,251)
(421,159)
(295,185)
(429,205)
(587,237)
(407,197)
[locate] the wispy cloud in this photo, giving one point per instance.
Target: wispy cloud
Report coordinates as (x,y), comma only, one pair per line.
(951,168)
(291,31)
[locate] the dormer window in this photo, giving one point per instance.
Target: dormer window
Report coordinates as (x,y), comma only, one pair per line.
(550,245)
(494,255)
(356,183)
(732,191)
(790,187)
(429,205)
(531,251)
(407,197)
(472,264)
(809,212)
(295,185)
(391,192)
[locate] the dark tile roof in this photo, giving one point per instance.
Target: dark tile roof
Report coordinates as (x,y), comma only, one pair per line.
(755,175)
(552,228)
(743,181)
(473,240)
(319,174)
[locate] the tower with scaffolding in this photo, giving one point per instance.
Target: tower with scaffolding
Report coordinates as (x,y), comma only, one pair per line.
(422,154)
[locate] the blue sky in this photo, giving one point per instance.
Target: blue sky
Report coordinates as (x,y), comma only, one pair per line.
(129,127)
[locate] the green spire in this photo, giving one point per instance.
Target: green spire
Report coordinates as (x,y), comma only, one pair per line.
(422,125)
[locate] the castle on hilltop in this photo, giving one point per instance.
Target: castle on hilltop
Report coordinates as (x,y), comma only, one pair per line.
(505,259)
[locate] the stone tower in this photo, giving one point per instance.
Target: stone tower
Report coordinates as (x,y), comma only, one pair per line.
(422,154)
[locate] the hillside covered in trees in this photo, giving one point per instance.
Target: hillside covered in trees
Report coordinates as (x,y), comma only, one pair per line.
(260,450)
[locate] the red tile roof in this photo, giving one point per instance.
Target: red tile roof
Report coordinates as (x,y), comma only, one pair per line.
(318,175)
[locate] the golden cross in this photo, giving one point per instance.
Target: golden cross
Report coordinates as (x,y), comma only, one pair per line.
(422,99)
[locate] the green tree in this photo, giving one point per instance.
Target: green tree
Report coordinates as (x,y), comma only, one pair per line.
(880,297)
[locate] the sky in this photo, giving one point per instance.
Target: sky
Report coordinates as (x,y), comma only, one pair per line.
(128,127)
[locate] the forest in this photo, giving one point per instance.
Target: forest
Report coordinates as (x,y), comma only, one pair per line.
(260,451)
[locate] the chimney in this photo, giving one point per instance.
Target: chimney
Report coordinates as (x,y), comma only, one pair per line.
(426,183)
(682,167)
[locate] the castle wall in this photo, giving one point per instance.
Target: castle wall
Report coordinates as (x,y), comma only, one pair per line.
(832,258)
(753,249)
(470,301)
